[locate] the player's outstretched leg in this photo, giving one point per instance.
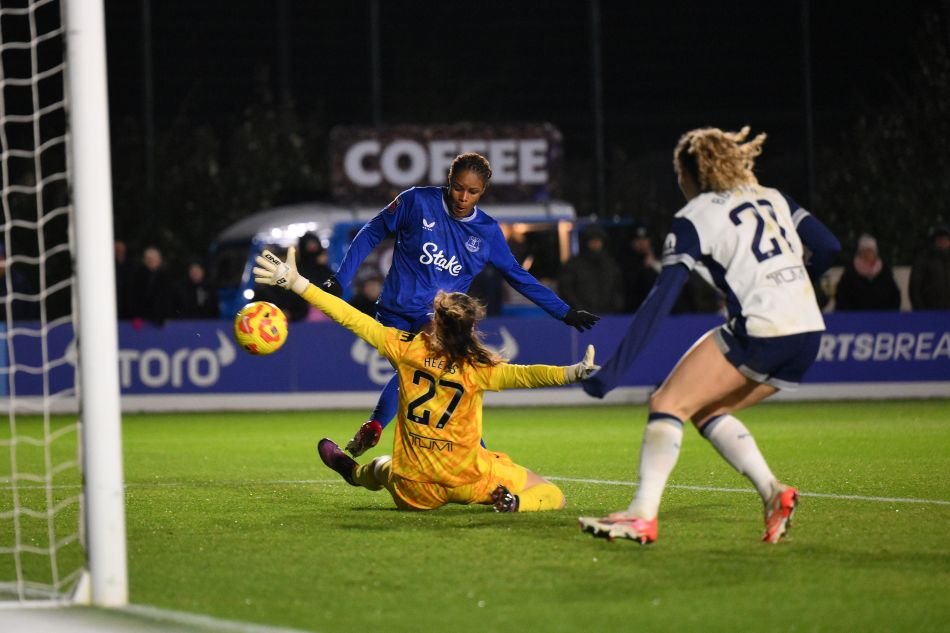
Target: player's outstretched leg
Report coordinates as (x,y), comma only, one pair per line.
(659,452)
(537,497)
(366,438)
(388,402)
(778,513)
(503,500)
(621,525)
(737,446)
(337,460)
(373,476)
(368,435)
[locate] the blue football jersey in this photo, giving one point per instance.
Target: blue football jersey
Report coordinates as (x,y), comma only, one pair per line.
(435,251)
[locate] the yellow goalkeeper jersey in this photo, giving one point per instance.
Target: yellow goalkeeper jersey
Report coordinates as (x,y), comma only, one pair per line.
(439,422)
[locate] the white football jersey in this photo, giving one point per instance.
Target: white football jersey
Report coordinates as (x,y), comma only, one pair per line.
(747,240)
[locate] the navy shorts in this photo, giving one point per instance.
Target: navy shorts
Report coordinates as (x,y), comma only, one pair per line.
(402,322)
(780,361)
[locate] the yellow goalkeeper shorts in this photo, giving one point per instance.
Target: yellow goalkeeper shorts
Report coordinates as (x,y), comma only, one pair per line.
(417,495)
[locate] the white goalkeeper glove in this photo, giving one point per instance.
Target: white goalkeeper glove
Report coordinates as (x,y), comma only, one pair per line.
(579,371)
(273,272)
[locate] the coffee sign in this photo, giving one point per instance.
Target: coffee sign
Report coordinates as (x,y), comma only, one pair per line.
(371,165)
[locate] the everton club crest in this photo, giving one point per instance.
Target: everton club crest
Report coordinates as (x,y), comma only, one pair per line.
(473,244)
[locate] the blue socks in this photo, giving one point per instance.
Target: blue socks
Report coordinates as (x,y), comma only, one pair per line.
(388,402)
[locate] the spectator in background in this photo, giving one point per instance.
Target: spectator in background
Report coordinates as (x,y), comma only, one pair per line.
(313,258)
(930,274)
(195,297)
(368,290)
(314,265)
(867,283)
(639,268)
(151,296)
(592,278)
(123,276)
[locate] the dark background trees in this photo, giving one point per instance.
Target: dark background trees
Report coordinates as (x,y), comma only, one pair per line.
(887,173)
(233,112)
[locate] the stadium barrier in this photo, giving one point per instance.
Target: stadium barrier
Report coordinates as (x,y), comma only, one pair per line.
(196,365)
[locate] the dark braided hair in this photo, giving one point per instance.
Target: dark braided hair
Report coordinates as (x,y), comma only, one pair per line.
(471,161)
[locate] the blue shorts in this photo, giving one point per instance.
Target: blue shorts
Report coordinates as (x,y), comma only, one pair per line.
(780,361)
(413,324)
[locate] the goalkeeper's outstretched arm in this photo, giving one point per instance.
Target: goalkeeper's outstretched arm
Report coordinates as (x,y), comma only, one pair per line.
(510,376)
(270,270)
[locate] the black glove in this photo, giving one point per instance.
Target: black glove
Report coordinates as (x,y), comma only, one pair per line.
(580,319)
(332,286)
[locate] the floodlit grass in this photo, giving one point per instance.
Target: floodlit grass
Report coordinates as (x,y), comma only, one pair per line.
(233,515)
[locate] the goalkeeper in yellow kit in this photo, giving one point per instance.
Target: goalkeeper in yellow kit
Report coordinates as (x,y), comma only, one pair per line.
(443,372)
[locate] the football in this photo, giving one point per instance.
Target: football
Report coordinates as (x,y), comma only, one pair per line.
(260,328)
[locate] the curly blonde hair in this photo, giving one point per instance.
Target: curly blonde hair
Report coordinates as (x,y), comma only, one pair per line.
(717,160)
(454,334)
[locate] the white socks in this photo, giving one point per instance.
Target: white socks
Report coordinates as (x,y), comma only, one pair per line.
(661,449)
(737,446)
(658,454)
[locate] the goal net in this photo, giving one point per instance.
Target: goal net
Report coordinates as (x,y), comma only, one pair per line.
(44,518)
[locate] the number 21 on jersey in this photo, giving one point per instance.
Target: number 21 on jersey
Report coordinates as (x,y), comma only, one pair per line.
(762,213)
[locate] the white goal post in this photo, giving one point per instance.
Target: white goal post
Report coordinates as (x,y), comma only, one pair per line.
(98,339)
(57,241)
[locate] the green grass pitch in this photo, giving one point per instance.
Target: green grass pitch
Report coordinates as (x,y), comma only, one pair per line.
(234,516)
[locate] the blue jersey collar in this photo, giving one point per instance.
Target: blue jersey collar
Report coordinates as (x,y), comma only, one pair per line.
(445,209)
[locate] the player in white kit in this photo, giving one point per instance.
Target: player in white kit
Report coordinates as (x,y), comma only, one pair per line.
(763,252)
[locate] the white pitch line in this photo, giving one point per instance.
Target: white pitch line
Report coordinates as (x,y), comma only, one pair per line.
(598,482)
(823,495)
(202,621)
(65,617)
(182,484)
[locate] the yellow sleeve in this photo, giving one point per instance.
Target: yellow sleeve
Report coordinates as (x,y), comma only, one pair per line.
(363,325)
(507,376)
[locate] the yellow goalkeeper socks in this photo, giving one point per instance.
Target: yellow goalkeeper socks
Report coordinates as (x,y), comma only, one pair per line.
(540,497)
(374,475)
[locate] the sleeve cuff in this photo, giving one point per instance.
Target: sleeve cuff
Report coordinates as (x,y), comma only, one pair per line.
(300,284)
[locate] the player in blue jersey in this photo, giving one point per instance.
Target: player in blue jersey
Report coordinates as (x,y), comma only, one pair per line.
(752,240)
(443,240)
